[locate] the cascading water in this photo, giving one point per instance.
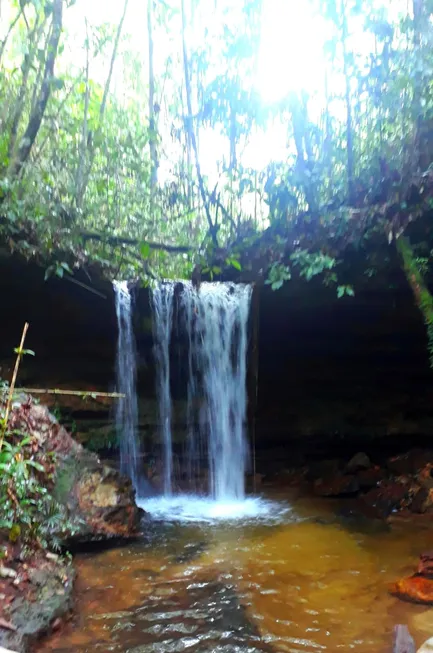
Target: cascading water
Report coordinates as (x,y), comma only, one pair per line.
(127,410)
(217,332)
(162,308)
(215,318)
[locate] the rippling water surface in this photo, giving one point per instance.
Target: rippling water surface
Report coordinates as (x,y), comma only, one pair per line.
(242,578)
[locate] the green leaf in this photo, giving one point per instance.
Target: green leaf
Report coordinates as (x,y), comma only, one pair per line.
(145,250)
(235,264)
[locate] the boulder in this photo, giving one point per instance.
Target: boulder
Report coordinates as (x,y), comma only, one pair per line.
(387,497)
(42,597)
(358,462)
(100,501)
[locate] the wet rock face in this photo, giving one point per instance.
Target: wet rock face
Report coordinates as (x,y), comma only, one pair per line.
(100,501)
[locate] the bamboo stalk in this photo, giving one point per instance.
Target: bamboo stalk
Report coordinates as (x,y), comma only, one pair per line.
(76,393)
(12,386)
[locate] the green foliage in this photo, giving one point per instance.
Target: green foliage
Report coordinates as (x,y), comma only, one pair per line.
(86,191)
(312,264)
(28,512)
(345,290)
(420,290)
(278,274)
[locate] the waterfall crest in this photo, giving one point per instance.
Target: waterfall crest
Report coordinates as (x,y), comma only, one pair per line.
(127,408)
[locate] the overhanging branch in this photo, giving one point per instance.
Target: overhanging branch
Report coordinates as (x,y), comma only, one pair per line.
(119,240)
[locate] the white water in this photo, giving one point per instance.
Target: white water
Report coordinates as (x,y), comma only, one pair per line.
(162,308)
(126,409)
(215,318)
(217,330)
(188,508)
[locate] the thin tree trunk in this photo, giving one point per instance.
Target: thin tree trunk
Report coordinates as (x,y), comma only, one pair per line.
(37,115)
(102,108)
(299,120)
(33,39)
(9,32)
(417,8)
(85,130)
(190,130)
(349,121)
(152,121)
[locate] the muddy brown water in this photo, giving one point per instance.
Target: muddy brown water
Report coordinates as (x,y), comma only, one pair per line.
(305,582)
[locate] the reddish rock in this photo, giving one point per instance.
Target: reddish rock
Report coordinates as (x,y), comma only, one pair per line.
(425,565)
(337,486)
(423,501)
(416,589)
(387,497)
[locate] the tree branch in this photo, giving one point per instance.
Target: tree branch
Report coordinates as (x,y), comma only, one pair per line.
(119,240)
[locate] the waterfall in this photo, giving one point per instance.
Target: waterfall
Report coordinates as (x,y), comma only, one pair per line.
(220,350)
(126,409)
(162,308)
(215,319)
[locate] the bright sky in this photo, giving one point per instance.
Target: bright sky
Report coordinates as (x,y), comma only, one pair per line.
(290,59)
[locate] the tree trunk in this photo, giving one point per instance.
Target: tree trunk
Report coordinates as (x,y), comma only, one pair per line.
(417,7)
(349,122)
(190,129)
(85,130)
(299,123)
(152,121)
(37,115)
(102,108)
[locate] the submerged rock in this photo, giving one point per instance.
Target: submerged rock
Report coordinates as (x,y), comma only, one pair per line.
(100,502)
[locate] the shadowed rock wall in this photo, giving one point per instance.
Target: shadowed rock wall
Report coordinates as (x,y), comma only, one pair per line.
(328,369)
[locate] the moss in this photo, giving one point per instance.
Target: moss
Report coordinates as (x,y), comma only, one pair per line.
(423,297)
